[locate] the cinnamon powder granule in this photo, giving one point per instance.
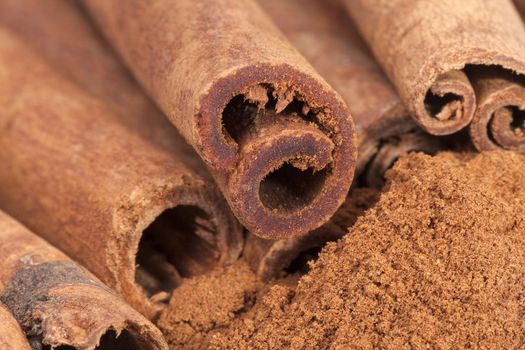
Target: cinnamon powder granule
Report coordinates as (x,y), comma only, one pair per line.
(438,262)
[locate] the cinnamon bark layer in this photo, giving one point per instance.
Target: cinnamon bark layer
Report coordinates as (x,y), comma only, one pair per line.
(136,215)
(425,46)
(59,303)
(325,35)
(280,142)
(11,336)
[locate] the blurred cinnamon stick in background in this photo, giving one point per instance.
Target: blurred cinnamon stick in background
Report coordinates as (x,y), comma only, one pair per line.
(99,192)
(279,141)
(435,53)
(11,336)
(323,33)
(58,303)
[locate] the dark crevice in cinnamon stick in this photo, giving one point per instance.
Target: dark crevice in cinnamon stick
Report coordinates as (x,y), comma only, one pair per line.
(301,263)
(123,341)
(243,112)
(179,243)
(109,341)
(436,105)
(289,188)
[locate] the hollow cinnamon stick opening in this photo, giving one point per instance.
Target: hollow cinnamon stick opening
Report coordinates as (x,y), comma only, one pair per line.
(58,303)
(11,336)
(434,44)
(215,90)
(96,190)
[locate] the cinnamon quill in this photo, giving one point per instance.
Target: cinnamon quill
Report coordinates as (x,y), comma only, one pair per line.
(434,52)
(279,141)
(59,303)
(136,215)
(323,33)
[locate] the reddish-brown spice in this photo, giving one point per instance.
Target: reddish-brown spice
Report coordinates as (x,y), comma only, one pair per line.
(437,262)
(280,142)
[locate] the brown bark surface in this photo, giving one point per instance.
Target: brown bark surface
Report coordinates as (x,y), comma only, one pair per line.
(11,336)
(425,46)
(59,303)
(228,80)
(327,38)
(96,190)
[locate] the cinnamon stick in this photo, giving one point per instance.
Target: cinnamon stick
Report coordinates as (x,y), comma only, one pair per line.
(11,336)
(280,142)
(59,303)
(500,116)
(436,44)
(325,35)
(96,190)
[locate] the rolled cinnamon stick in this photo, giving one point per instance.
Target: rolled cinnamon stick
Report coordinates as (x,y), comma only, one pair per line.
(278,139)
(59,303)
(499,121)
(325,35)
(425,46)
(11,336)
(137,216)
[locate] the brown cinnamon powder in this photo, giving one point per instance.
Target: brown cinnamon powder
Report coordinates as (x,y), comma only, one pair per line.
(207,303)
(438,262)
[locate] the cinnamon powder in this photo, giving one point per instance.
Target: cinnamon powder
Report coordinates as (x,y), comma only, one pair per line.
(438,262)
(207,303)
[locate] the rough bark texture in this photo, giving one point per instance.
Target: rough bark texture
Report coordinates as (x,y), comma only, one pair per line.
(326,36)
(58,303)
(91,187)
(500,116)
(11,336)
(424,47)
(225,76)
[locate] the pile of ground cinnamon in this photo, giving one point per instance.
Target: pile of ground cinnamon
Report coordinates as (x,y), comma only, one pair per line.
(207,303)
(438,262)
